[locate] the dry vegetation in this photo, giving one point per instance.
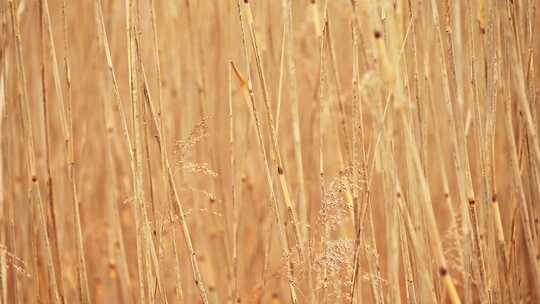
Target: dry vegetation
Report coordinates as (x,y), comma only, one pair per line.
(235,151)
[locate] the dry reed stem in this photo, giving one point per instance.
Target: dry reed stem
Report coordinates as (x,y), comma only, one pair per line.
(249,98)
(35,191)
(280,168)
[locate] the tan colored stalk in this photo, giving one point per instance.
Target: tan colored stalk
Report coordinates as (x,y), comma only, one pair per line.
(295,121)
(500,243)
(425,196)
(158,69)
(234,200)
(421,116)
(267,249)
(518,184)
(322,112)
(393,222)
(178,278)
(360,165)
(280,169)
(135,157)
(148,237)
(476,211)
(147,156)
(313,7)
(445,183)
(410,288)
(340,132)
(120,258)
(250,100)
(11,243)
(495,232)
(4,212)
(185,229)
(280,81)
(356,116)
(525,106)
(363,205)
(417,249)
(390,207)
(521,197)
(367,170)
(247,91)
(70,159)
(485,136)
(461,165)
(343,131)
(118,100)
(135,160)
(432,224)
(31,154)
(519,79)
(46,127)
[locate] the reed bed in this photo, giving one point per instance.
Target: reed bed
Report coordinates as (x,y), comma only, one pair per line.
(250,151)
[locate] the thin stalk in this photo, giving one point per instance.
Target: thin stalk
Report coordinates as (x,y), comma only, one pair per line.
(295,121)
(31,153)
(280,169)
